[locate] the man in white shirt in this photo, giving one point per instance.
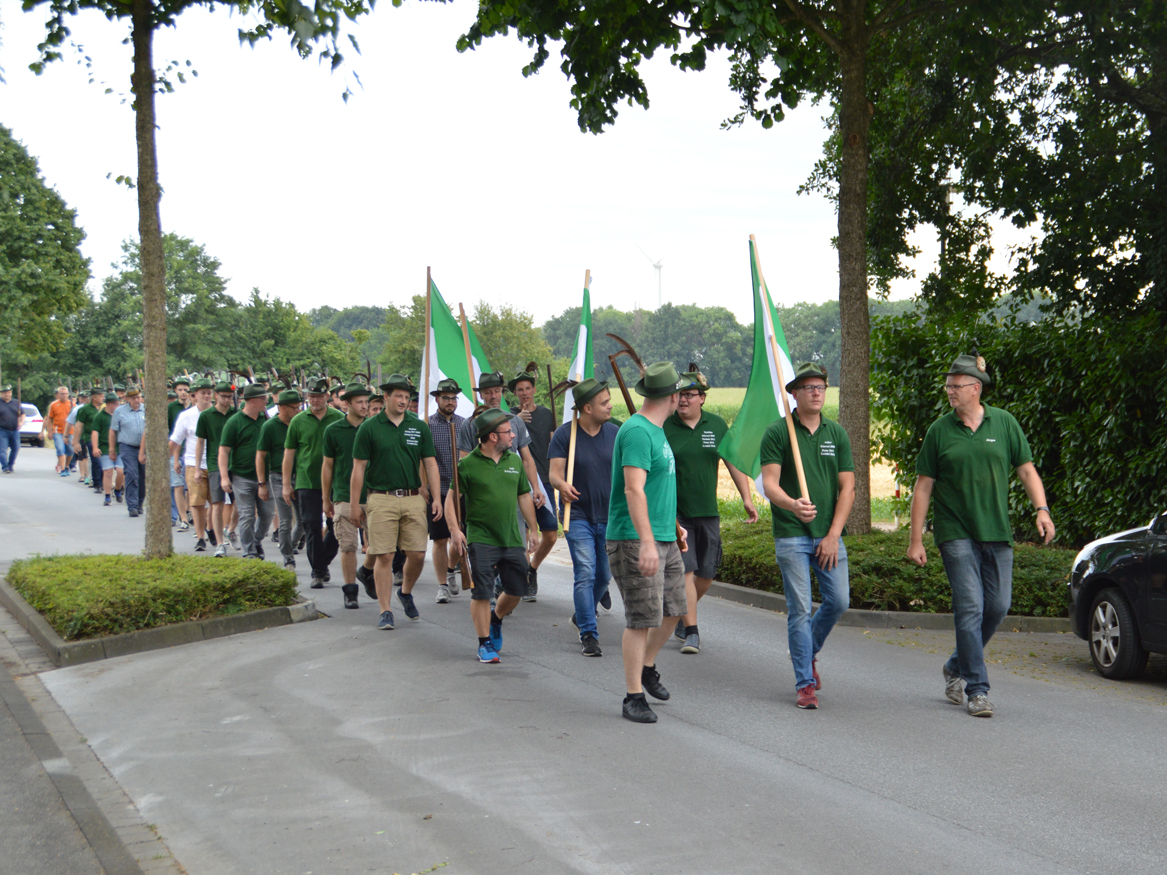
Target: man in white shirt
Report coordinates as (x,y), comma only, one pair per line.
(197,488)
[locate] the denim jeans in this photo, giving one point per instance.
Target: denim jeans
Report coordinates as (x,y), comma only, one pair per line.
(796,557)
(981,576)
(9,447)
(289,521)
(589,560)
(135,474)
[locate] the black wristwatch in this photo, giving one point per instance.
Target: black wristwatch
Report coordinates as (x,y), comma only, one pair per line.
(1043,507)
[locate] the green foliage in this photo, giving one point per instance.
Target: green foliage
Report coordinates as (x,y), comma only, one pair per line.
(42,271)
(94,596)
(1091,396)
(882,578)
(508,337)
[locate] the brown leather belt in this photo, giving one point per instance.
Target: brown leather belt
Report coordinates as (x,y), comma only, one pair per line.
(400,493)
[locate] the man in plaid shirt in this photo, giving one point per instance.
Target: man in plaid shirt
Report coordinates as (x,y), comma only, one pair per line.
(447,454)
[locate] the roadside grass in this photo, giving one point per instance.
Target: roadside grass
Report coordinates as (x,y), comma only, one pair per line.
(882,578)
(95,596)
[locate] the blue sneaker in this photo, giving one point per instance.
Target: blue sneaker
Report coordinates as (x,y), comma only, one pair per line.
(487,654)
(496,637)
(386,621)
(406,600)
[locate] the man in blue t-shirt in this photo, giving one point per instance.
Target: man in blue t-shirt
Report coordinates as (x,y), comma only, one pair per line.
(587,493)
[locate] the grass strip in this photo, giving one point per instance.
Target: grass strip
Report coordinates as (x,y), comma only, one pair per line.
(95,596)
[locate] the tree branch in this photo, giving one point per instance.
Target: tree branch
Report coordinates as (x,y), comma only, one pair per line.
(815,23)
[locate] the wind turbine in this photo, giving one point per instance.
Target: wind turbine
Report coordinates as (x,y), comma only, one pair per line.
(658,264)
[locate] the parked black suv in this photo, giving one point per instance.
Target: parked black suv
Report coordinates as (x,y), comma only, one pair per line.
(1118,590)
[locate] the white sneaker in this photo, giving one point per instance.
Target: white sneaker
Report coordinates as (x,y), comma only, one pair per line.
(220,551)
(452,583)
(443,596)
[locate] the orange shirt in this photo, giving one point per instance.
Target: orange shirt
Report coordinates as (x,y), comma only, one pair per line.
(58,412)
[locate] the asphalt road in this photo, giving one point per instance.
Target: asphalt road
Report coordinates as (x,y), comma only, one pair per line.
(331,747)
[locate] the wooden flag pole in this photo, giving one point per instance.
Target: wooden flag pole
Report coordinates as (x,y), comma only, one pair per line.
(469,358)
(551,395)
(780,388)
(463,558)
(425,365)
(570,469)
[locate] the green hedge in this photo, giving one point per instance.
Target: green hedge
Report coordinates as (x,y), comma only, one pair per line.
(1091,396)
(94,596)
(882,578)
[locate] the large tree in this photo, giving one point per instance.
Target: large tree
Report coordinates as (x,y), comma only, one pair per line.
(312,31)
(42,271)
(781,51)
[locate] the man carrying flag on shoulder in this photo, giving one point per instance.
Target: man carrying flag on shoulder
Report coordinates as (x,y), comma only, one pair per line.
(808,529)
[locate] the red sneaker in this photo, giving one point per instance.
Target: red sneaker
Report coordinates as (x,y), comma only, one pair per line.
(814,667)
(807,698)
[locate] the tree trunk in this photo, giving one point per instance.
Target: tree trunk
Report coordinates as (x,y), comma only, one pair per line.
(159,544)
(854,381)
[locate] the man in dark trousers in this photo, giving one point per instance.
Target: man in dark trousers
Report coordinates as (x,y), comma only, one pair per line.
(540,423)
(303,458)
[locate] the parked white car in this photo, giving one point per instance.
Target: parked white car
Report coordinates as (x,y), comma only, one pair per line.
(34,425)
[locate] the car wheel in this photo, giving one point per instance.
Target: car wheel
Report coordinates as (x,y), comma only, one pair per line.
(1115,646)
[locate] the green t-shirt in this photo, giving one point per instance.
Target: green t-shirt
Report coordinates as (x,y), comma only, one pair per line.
(100,424)
(394,452)
(970,498)
(306,437)
(338,446)
(825,454)
(210,428)
(695,451)
(491,490)
(84,424)
(271,441)
(241,434)
(641,444)
(172,410)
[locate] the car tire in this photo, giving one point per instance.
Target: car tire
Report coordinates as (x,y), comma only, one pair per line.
(1115,646)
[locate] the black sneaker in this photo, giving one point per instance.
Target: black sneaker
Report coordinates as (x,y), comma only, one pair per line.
(636,709)
(591,646)
(406,600)
(650,680)
(365,578)
(679,630)
(350,595)
(532,592)
(119,495)
(606,601)
(326,575)
(200,545)
(211,538)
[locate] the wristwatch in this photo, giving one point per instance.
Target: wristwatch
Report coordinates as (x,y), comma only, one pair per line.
(1043,507)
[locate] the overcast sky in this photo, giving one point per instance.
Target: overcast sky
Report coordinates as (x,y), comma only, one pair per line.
(449,160)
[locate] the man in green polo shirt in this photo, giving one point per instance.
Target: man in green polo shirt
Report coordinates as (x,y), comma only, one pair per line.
(808,529)
(966,459)
(269,467)
(237,448)
(388,455)
(643,549)
(303,457)
(99,447)
(694,436)
(82,428)
(491,479)
(335,476)
(208,431)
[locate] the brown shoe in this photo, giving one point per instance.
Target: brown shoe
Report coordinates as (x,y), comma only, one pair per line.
(807,699)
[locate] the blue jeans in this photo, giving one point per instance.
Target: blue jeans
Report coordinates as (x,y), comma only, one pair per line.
(796,557)
(589,560)
(9,447)
(135,473)
(981,576)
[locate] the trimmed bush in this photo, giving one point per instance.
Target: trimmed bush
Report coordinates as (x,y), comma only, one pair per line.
(882,579)
(94,596)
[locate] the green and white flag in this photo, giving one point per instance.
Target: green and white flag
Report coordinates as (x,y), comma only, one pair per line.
(445,357)
(742,445)
(582,367)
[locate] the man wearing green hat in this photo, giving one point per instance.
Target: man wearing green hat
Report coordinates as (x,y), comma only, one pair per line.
(179,405)
(388,454)
(335,477)
(492,480)
(181,400)
(111,476)
(82,427)
(965,461)
(238,445)
(208,432)
(694,436)
(269,467)
(808,529)
(127,427)
(642,547)
(182,450)
(540,425)
(303,458)
(588,494)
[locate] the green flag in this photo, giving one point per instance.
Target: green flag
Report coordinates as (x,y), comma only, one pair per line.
(447,353)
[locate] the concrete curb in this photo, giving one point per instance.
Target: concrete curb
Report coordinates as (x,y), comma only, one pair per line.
(772,601)
(64,653)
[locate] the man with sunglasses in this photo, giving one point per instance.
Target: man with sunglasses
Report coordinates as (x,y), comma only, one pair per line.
(808,529)
(965,461)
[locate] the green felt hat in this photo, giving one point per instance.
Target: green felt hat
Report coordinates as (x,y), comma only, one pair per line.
(586,390)
(518,378)
(181,381)
(694,379)
(489,420)
(253,390)
(446,387)
(659,381)
(133,390)
(490,381)
(111,396)
(119,387)
(397,382)
(318,386)
(203,383)
(355,390)
(223,386)
(805,371)
(6,388)
(970,366)
(290,396)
